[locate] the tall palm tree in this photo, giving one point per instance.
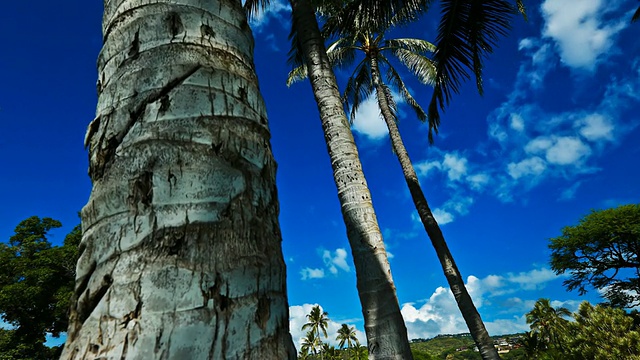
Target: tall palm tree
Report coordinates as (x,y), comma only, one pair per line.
(366,79)
(181,255)
(549,323)
(467,31)
(347,335)
(384,325)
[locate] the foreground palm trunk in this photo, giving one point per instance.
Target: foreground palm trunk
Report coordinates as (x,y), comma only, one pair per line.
(454,278)
(384,326)
(181,250)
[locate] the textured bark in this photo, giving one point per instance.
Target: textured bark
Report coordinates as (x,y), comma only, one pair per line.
(384,325)
(449,267)
(181,250)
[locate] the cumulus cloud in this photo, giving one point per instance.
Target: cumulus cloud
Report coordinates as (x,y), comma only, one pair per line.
(368,120)
(439,314)
(298,317)
(581,35)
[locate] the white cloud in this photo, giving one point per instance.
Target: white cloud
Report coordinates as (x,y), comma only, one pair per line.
(567,151)
(594,127)
(336,260)
(582,37)
(368,120)
(309,273)
(533,279)
(533,166)
(298,317)
(442,216)
(455,166)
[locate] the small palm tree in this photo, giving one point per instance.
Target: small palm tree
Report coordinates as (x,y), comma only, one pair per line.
(310,343)
(347,335)
(549,323)
(318,321)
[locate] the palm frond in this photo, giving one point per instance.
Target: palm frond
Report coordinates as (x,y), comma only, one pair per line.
(374,15)
(414,45)
(359,87)
(467,32)
(394,79)
(636,15)
(342,52)
(421,66)
(522,9)
(297,74)
(253,7)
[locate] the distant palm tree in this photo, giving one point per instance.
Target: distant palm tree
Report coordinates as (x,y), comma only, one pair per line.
(318,321)
(329,352)
(549,323)
(347,335)
(310,343)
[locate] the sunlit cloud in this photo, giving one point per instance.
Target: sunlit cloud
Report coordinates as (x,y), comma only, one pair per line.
(581,35)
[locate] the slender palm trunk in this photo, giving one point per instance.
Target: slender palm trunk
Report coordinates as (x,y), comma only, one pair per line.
(384,326)
(451,272)
(181,250)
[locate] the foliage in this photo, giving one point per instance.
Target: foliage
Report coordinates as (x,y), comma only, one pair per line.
(603,251)
(600,333)
(548,325)
(597,332)
(36,284)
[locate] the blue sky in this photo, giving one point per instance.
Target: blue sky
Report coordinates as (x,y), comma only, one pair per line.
(554,136)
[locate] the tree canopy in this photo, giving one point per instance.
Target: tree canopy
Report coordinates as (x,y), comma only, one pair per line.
(36,284)
(603,251)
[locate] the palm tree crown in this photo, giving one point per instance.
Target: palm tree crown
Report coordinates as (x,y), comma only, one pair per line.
(317,322)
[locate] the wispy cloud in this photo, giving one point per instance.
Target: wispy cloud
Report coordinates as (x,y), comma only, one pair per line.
(334,262)
(310,273)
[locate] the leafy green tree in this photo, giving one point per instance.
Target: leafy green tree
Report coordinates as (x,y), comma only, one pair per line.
(602,333)
(603,251)
(36,285)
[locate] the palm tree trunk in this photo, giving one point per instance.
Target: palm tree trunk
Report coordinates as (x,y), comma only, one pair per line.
(451,272)
(181,250)
(384,326)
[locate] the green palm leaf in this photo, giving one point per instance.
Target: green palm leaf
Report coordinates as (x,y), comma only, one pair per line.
(394,79)
(359,87)
(467,32)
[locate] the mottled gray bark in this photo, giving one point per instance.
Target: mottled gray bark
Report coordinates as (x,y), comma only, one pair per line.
(181,250)
(449,267)
(384,325)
